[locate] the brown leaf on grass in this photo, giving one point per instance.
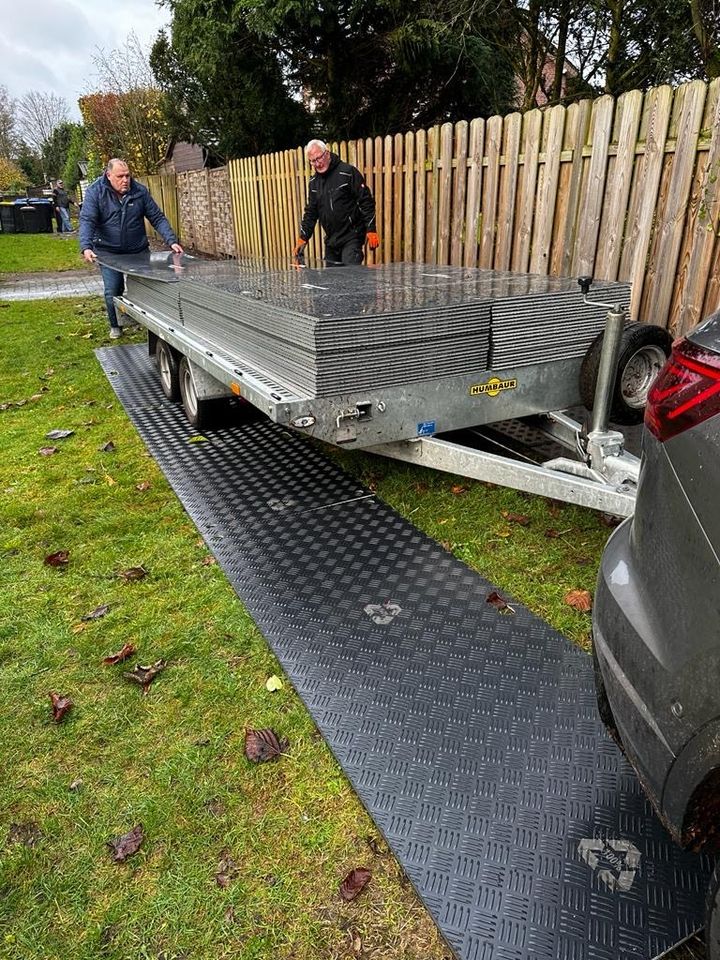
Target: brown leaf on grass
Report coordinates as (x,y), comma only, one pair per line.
(458,490)
(28,834)
(145,675)
(610,520)
(126,845)
(354,883)
(227,870)
(515,517)
(579,600)
(499,602)
(60,558)
(552,534)
(48,451)
(133,573)
(97,612)
(209,561)
(59,434)
(108,447)
(127,651)
(60,706)
(263,745)
(142,486)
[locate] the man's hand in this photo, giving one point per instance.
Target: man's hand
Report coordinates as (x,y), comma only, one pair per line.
(299,247)
(176,248)
(89,255)
(373,240)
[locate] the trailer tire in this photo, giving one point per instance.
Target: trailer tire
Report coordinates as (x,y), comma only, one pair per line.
(202,412)
(644,348)
(168,370)
(712,916)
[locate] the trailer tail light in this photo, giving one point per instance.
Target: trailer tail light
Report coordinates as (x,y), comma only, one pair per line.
(686,391)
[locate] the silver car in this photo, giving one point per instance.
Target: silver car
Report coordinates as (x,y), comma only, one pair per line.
(656,617)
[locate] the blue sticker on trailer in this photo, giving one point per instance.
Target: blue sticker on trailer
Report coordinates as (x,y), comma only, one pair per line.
(426,428)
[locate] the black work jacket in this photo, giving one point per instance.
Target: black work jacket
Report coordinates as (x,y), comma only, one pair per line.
(341,200)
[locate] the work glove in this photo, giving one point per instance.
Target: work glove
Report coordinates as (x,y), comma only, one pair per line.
(299,247)
(373,240)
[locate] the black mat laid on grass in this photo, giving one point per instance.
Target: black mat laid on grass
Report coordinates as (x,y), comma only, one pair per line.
(471,736)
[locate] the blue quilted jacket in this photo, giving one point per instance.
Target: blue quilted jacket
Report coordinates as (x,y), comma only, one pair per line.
(117,225)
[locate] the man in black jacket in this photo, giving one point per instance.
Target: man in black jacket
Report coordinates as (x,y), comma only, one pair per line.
(340,199)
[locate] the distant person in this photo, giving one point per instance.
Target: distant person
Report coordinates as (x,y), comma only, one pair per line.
(112,219)
(62,201)
(340,199)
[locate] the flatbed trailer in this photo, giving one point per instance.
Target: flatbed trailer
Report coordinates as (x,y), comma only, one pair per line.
(392,358)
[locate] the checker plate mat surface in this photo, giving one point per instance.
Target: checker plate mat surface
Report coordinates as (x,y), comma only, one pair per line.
(472,737)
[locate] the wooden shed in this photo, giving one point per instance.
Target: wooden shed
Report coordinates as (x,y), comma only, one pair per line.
(181,156)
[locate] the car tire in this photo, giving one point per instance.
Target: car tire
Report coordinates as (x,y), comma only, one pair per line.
(168,370)
(203,413)
(712,916)
(644,348)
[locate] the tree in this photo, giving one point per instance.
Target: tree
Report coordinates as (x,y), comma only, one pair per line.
(8,139)
(30,164)
(12,178)
(76,152)
(38,114)
(56,149)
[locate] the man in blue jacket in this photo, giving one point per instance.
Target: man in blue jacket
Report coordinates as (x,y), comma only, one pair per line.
(112,219)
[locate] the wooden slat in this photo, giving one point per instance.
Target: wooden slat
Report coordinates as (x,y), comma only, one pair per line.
(368,170)
(387,156)
(577,122)
(420,196)
(547,192)
(695,266)
(474,191)
(617,191)
(592,191)
(531,133)
(398,176)
(445,193)
(508,191)
(671,223)
(493,146)
(378,171)
(431,220)
(457,229)
(409,200)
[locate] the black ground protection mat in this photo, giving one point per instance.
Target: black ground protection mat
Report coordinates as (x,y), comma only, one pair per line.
(471,736)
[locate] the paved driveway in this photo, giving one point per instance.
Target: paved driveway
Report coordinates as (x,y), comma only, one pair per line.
(51,286)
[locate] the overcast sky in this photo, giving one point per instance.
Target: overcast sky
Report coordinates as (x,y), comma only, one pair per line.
(48,45)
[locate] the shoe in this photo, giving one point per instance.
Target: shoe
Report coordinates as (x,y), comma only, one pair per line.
(115,332)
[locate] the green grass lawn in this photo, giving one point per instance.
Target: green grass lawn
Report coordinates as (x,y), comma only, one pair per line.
(40,252)
(173,759)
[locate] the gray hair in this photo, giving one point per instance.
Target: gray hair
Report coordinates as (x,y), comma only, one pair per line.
(316,143)
(114,162)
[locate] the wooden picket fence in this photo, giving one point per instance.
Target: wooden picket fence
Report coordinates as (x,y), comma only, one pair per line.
(624,189)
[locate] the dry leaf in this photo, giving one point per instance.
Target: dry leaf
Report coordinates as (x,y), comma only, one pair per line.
(354,883)
(515,517)
(60,706)
(133,573)
(227,870)
(60,558)
(501,603)
(144,675)
(48,451)
(59,434)
(142,486)
(273,683)
(126,845)
(458,490)
(109,447)
(209,561)
(97,612)
(123,654)
(579,600)
(263,745)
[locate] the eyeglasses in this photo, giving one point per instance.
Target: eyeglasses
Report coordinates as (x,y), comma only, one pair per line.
(314,161)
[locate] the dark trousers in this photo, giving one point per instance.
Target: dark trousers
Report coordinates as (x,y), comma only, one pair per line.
(114,284)
(346,254)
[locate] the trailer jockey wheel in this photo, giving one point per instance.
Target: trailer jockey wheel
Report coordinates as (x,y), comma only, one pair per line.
(203,413)
(712,916)
(167,365)
(644,348)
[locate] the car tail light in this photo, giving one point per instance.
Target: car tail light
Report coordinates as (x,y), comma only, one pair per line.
(686,391)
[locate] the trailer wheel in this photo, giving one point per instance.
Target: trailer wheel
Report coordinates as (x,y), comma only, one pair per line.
(712,916)
(644,348)
(202,413)
(167,365)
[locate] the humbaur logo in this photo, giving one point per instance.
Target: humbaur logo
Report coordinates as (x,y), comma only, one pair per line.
(492,387)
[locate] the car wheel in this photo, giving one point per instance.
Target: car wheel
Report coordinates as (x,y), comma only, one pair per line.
(168,370)
(644,348)
(203,413)
(712,916)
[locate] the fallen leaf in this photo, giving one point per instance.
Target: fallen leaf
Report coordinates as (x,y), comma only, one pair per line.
(354,883)
(144,485)
(609,520)
(123,654)
(60,706)
(78,627)
(458,490)
(97,612)
(209,561)
(133,573)
(60,558)
(26,833)
(273,683)
(59,434)
(501,603)
(109,447)
(227,870)
(515,517)
(197,439)
(126,845)
(110,481)
(263,745)
(579,600)
(145,675)
(48,451)
(75,785)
